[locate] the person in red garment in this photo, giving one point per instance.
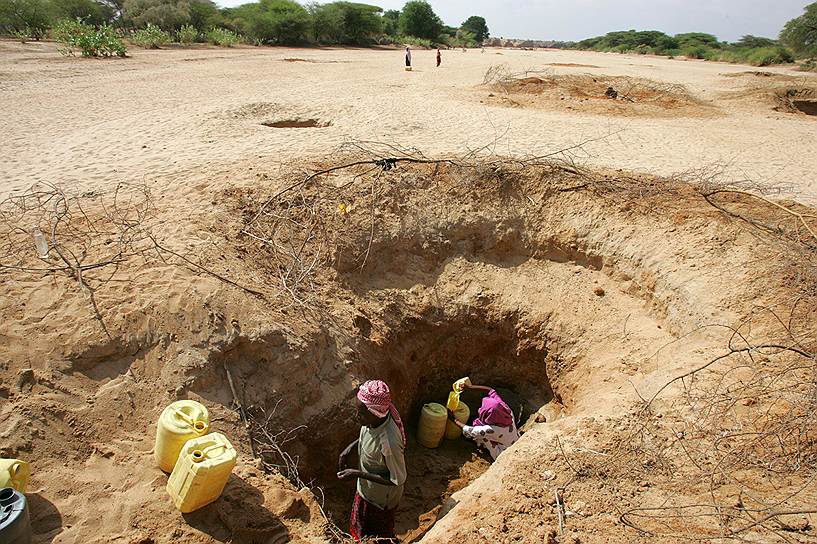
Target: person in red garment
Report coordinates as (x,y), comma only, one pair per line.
(381,473)
(439,57)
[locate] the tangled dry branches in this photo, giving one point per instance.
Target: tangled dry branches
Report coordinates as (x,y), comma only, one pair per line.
(298,224)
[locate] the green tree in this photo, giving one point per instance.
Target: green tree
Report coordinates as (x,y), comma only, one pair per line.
(478,27)
(204,15)
(346,22)
(327,22)
(391,22)
(89,11)
(32,16)
(696,39)
(753,42)
(801,33)
(272,21)
(165,14)
(419,20)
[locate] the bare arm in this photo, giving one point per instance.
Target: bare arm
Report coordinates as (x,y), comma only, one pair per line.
(452,418)
(349,474)
(345,453)
(479,387)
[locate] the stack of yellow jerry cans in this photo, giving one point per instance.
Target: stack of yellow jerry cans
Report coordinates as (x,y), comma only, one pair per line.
(434,424)
(200,462)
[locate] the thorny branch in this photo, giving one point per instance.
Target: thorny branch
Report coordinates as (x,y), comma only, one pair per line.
(88,236)
(293,223)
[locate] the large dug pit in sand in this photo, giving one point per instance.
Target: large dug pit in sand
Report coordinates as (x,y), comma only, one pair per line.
(575,292)
(419,358)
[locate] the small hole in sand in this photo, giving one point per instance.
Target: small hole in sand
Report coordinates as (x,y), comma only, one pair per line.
(297,123)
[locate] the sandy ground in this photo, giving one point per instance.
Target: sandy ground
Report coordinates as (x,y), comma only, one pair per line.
(85,123)
(579,291)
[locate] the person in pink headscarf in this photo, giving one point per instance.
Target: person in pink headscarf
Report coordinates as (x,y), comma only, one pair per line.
(381,472)
(494,428)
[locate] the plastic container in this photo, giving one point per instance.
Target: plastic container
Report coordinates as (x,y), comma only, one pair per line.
(15,525)
(461,414)
(179,422)
(431,429)
(201,472)
(40,243)
(453,400)
(14,473)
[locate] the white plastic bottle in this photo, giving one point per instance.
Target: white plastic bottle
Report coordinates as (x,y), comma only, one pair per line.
(40,243)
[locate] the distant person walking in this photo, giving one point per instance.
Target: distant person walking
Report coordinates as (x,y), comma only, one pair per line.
(439,57)
(408,58)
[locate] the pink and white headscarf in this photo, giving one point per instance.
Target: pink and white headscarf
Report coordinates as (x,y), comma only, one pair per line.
(376,396)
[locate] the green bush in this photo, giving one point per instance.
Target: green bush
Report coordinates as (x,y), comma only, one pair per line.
(695,52)
(28,33)
(89,40)
(188,34)
(416,42)
(766,56)
(223,37)
(150,37)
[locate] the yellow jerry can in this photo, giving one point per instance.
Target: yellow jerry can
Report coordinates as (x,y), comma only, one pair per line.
(431,429)
(179,422)
(201,472)
(14,473)
(461,414)
(453,400)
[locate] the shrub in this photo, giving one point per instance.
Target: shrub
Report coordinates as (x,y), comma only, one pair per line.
(416,42)
(223,37)
(150,37)
(89,40)
(766,56)
(27,33)
(188,34)
(695,52)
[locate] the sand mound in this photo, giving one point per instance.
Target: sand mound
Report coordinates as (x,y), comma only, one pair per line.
(782,93)
(610,95)
(572,290)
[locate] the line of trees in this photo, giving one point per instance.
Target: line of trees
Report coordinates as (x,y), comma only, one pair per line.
(282,22)
(798,39)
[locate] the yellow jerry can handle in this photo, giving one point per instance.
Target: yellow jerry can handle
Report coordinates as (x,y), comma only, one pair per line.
(198,426)
(460,384)
(201,455)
